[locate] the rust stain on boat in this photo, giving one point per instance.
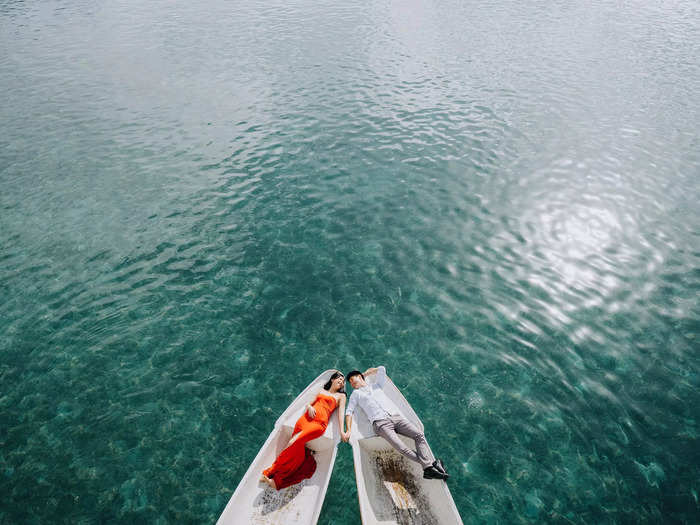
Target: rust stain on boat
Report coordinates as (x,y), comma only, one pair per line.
(410,505)
(278,507)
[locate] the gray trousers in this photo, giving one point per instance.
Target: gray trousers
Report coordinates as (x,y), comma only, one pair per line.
(389,428)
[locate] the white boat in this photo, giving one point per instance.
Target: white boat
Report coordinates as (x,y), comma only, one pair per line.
(256,503)
(391,488)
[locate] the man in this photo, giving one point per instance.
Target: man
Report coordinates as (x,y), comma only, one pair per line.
(387,422)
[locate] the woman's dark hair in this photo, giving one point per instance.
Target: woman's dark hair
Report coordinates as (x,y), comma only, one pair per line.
(354,373)
(335,375)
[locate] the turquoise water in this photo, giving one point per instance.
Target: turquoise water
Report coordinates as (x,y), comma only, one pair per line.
(204,204)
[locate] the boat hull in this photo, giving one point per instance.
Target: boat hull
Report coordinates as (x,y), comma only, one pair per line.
(390,488)
(256,503)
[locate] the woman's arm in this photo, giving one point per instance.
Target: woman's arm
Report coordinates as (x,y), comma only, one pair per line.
(310,410)
(341,413)
(348,416)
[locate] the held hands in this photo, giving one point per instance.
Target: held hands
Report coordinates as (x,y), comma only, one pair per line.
(345,436)
(311,411)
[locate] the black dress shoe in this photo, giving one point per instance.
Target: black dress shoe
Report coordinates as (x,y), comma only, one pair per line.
(439,466)
(433,473)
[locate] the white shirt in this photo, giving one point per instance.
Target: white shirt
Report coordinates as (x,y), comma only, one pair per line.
(372,399)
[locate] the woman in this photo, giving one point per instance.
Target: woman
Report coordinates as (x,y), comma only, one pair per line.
(295,463)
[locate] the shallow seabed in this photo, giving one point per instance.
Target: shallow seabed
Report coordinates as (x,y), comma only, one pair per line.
(204,204)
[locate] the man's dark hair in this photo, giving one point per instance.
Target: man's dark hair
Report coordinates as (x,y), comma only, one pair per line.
(354,373)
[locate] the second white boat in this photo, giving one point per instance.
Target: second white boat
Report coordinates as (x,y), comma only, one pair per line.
(390,488)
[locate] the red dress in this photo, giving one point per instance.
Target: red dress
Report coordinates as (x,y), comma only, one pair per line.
(295,463)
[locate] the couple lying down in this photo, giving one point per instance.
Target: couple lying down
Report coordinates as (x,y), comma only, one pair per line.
(296,463)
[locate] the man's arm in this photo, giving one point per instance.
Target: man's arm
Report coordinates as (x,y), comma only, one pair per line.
(381,375)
